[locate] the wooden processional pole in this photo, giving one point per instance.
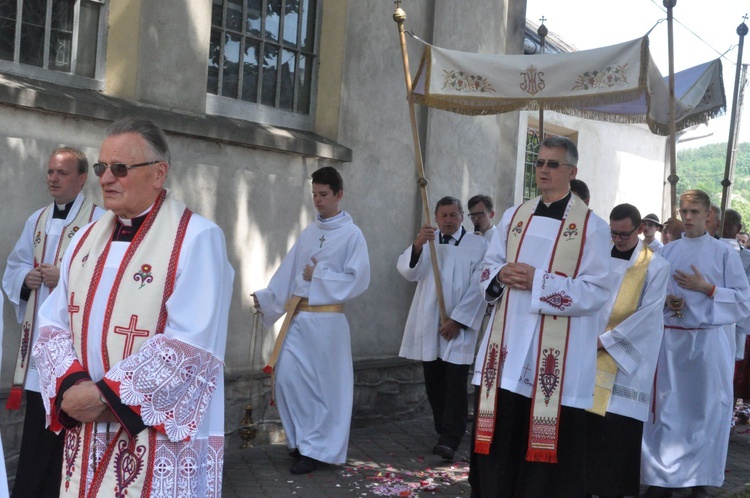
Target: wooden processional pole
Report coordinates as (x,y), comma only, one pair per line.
(400,17)
(542,32)
(673,178)
(726,183)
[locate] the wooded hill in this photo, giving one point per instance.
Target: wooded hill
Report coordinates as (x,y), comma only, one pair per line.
(703,168)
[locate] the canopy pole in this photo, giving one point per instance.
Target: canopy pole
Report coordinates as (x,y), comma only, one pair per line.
(726,183)
(673,178)
(542,32)
(400,17)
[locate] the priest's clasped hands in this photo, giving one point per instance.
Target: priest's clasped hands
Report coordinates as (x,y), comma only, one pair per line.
(517,276)
(83,403)
(45,273)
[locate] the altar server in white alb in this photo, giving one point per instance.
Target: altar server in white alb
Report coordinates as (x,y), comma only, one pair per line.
(312,361)
(549,261)
(447,349)
(32,271)
(131,343)
(685,446)
(631,329)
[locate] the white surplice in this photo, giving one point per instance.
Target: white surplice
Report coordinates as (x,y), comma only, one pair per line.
(588,292)
(634,344)
(196,327)
(459,273)
(686,444)
(21,262)
(314,372)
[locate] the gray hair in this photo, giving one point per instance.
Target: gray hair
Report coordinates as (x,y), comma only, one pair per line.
(150,131)
(571,151)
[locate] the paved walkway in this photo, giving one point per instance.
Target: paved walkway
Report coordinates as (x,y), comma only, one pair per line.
(395,460)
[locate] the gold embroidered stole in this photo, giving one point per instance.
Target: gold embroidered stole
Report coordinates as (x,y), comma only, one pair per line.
(136,311)
(546,396)
(84,216)
(625,305)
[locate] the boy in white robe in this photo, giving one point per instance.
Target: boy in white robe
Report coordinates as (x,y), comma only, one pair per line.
(313,374)
(445,349)
(631,330)
(686,444)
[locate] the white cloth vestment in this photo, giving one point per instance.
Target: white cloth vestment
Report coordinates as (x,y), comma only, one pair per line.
(314,373)
(188,453)
(656,245)
(588,291)
(3,475)
(21,262)
(686,443)
(459,272)
(634,344)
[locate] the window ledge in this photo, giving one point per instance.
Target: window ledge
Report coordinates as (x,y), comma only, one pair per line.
(19,91)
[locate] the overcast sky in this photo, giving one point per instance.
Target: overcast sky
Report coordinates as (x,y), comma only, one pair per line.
(704,30)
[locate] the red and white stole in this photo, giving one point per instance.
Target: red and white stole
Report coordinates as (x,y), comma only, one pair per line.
(136,311)
(550,368)
(84,216)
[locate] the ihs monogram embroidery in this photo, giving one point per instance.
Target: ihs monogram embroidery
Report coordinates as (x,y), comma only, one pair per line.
(144,275)
(533,82)
(571,232)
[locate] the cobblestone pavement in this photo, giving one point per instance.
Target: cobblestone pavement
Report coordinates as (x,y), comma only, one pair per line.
(396,460)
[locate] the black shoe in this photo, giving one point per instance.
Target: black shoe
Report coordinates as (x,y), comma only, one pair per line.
(443,451)
(657,492)
(699,492)
(304,465)
(294,453)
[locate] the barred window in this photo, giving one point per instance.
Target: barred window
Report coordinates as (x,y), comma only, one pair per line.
(263,51)
(56,35)
(530,189)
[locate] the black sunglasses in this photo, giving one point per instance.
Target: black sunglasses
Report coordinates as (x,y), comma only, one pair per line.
(551,164)
(119,170)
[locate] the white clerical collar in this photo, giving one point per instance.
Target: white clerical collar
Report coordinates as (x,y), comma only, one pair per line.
(548,204)
(335,217)
(128,222)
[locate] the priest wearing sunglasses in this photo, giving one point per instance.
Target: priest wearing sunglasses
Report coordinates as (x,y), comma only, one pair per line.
(547,272)
(132,339)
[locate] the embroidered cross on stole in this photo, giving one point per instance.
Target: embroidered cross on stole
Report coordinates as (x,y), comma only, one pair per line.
(550,368)
(136,311)
(84,216)
(625,305)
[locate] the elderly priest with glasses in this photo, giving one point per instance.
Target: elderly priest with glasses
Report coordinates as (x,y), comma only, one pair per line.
(131,345)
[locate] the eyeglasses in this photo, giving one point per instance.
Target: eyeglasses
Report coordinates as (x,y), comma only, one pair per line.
(119,170)
(622,235)
(478,214)
(551,163)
